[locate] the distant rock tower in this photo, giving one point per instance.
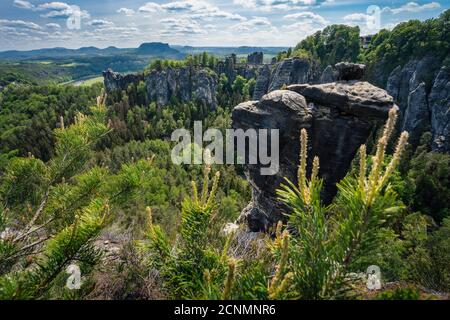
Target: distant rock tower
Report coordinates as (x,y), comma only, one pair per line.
(256,58)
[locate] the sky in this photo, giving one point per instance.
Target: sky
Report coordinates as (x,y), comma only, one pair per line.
(33,24)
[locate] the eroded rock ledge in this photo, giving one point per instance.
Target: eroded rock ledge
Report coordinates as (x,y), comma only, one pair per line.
(339,118)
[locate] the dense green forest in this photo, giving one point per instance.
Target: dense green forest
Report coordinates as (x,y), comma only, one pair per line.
(87,178)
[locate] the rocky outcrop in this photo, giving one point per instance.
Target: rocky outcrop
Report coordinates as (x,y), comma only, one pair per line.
(228,67)
(439,103)
(350,71)
(255,58)
(302,71)
(411,86)
(262,82)
(339,118)
(293,70)
(286,72)
(114,81)
(184,83)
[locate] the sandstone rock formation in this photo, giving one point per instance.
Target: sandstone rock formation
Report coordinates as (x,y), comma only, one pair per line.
(262,82)
(293,70)
(302,71)
(439,103)
(350,71)
(256,58)
(115,81)
(286,72)
(328,75)
(339,118)
(420,90)
(185,84)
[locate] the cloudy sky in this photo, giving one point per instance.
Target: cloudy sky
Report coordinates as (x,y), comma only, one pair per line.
(31,24)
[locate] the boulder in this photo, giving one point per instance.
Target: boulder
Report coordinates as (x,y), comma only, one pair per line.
(353,97)
(350,71)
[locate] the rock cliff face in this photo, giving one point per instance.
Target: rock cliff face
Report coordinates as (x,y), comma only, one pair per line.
(289,71)
(185,84)
(439,104)
(115,81)
(338,116)
(420,88)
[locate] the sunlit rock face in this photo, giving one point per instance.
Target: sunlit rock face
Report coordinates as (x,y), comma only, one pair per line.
(183,84)
(339,117)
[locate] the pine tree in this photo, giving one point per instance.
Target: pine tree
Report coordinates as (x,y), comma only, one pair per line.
(68,207)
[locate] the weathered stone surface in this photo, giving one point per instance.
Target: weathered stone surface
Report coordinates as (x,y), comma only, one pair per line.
(439,102)
(398,84)
(353,97)
(417,116)
(228,67)
(184,84)
(284,110)
(204,88)
(337,126)
(115,81)
(293,70)
(409,86)
(262,82)
(350,71)
(328,75)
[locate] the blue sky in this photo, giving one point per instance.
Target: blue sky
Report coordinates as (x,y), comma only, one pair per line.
(31,24)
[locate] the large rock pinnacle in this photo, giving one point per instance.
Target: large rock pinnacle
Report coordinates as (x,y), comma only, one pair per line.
(339,117)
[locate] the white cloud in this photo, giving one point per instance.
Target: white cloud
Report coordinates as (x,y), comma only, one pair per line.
(368,24)
(307,17)
(183,26)
(357,18)
(150,7)
(126,11)
(53,26)
(271,5)
(61,10)
(413,7)
(23,4)
(20,24)
(197,9)
(255,23)
(100,23)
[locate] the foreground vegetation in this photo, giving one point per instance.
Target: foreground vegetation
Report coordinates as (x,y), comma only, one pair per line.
(95,187)
(178,243)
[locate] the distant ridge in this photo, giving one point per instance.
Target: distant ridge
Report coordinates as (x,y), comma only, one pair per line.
(150,49)
(156,48)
